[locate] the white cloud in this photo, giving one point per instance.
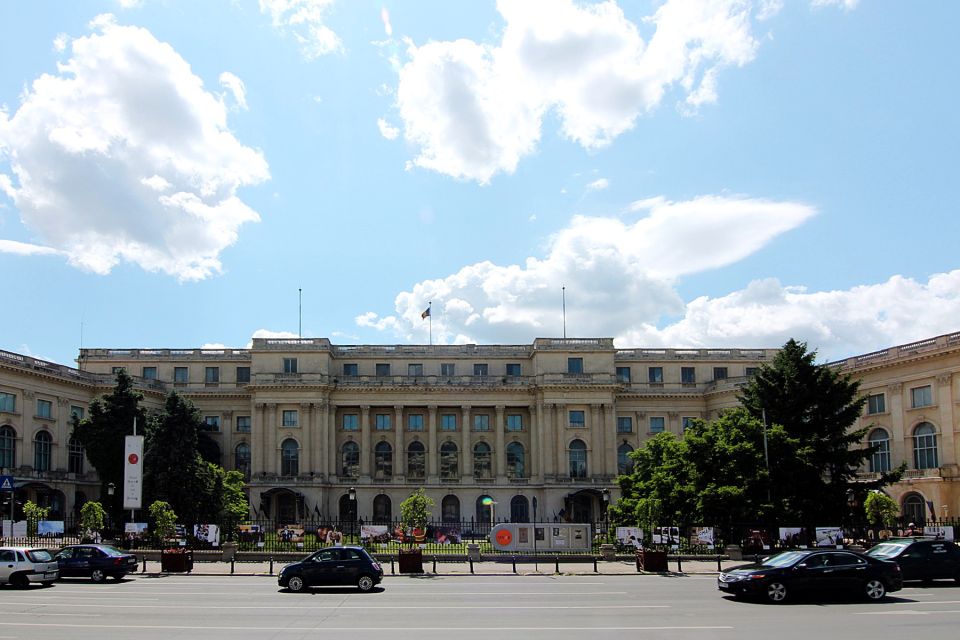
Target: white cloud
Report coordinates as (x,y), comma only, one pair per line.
(474,110)
(305,19)
(123,155)
(385,17)
(387,130)
(25,249)
(268,334)
(598,185)
(627,269)
(130,4)
(60,42)
(846,5)
(236,87)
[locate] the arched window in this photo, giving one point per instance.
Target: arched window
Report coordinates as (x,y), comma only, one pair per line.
(913,508)
(416,461)
(450,509)
(925,446)
(449,461)
(624,463)
(241,459)
(383,461)
(516,461)
(519,511)
(350,460)
(578,459)
(484,511)
(289,458)
(382,508)
(42,445)
(8,447)
(879,441)
(482,461)
(74,456)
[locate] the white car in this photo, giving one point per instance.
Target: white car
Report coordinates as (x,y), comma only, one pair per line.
(20,566)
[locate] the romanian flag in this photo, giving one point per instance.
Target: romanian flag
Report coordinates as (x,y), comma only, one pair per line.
(425,314)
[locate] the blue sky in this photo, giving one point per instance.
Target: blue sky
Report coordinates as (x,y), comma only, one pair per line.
(694,173)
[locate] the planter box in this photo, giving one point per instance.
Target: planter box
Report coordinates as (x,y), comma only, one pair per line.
(176,562)
(411,560)
(653,561)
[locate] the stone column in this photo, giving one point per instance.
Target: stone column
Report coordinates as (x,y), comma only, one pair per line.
(499,454)
(900,449)
(610,427)
(328,460)
(560,421)
(947,453)
(596,451)
(306,438)
(258,442)
(466,453)
(549,439)
(366,452)
(433,454)
(535,453)
(398,449)
(271,450)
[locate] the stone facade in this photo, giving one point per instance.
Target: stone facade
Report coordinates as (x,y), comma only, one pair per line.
(543,427)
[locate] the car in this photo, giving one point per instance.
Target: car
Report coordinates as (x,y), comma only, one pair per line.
(921,558)
(95,561)
(784,575)
(333,566)
(20,566)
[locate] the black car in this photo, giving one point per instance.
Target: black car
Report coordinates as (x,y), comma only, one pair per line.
(921,558)
(333,566)
(813,571)
(95,561)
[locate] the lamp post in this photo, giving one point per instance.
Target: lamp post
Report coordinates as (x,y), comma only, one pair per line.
(605,493)
(352,495)
(852,505)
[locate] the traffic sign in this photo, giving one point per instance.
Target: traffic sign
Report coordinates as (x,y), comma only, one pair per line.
(6,483)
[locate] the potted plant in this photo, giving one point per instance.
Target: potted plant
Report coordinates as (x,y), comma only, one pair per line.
(414,515)
(172,559)
(92,517)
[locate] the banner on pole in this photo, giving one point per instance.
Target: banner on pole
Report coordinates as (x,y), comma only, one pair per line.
(133,472)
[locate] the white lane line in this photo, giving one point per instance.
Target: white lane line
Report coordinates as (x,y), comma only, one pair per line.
(34,613)
(908,612)
(929,602)
(335,606)
(390,627)
(420,593)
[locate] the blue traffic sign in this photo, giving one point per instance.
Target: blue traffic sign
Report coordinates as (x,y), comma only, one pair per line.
(6,483)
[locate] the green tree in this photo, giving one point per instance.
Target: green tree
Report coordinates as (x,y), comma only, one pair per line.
(415,510)
(102,434)
(92,517)
(164,521)
(34,513)
(881,509)
(659,489)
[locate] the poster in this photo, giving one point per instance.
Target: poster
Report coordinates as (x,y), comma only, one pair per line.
(209,533)
(829,537)
(793,538)
(666,535)
(939,532)
(757,540)
(290,533)
(375,533)
(135,531)
(630,537)
(447,535)
(19,529)
(251,533)
(702,536)
(50,528)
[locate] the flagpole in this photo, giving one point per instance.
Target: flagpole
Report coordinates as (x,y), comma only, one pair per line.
(300,311)
(564,291)
(430,315)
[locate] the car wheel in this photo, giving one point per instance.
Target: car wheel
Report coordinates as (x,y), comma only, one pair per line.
(776,592)
(875,589)
(19,581)
(365,583)
(295,584)
(97,575)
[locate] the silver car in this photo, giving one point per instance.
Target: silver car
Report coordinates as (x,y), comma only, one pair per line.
(20,566)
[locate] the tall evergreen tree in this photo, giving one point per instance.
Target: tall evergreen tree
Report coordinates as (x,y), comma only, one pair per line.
(102,437)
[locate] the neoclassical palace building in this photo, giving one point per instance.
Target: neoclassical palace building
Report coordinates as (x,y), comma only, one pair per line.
(543,429)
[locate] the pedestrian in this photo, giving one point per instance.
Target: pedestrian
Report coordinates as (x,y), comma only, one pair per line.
(912,530)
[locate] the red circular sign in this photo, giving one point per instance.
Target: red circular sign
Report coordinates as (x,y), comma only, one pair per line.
(134,458)
(504,537)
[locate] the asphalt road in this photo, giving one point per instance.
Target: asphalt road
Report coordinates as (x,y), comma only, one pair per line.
(423,608)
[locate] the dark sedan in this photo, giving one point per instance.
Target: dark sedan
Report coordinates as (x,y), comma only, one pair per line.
(813,572)
(921,558)
(95,561)
(333,567)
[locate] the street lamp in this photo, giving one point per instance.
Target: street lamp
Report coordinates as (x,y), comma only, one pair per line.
(111,488)
(605,493)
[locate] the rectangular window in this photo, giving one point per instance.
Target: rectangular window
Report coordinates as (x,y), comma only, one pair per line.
(351,369)
(574,365)
(577,419)
(514,422)
(623,374)
(383,422)
(44,409)
(243,424)
(243,375)
(181,375)
(289,365)
(448,422)
(447,369)
(719,373)
(350,422)
(688,375)
(921,396)
(415,422)
(513,369)
(876,403)
(290,418)
(383,369)
(149,373)
(211,375)
(479,369)
(211,423)
(481,422)
(624,424)
(8,402)
(656,424)
(655,375)
(77,411)
(415,370)
(750,371)
(685,422)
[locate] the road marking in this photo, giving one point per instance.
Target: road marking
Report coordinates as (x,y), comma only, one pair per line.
(908,612)
(390,627)
(33,613)
(930,602)
(332,606)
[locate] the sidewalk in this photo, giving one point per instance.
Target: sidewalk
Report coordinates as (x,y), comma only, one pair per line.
(487,568)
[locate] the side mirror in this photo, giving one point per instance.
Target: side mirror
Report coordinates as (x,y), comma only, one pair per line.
(802,565)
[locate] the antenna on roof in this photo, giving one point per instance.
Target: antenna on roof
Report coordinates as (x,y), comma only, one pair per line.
(564,293)
(300,321)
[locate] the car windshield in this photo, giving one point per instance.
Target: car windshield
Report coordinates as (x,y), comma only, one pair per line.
(39,555)
(783,559)
(111,551)
(886,550)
